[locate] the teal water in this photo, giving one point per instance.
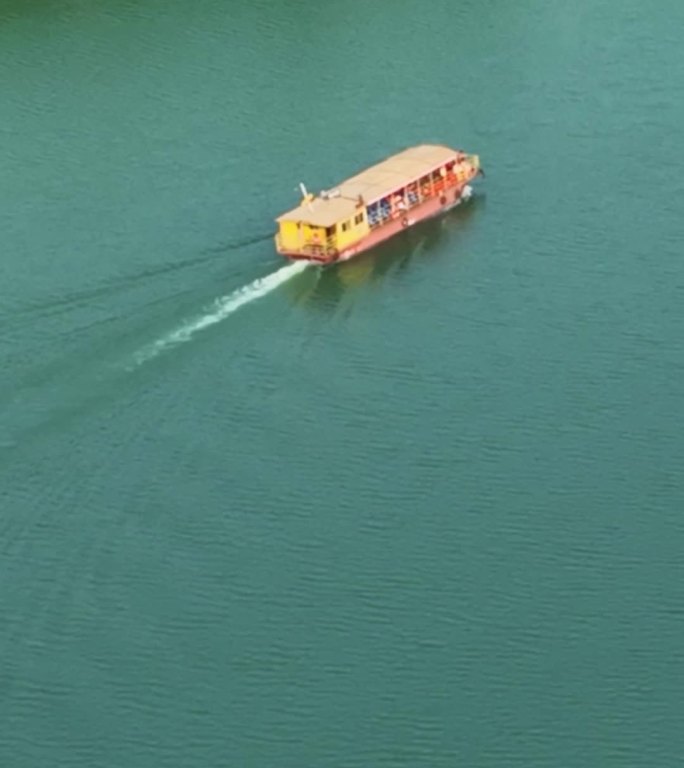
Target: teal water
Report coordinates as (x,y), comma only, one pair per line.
(423,509)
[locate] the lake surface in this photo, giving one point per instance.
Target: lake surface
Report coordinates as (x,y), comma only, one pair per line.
(422,509)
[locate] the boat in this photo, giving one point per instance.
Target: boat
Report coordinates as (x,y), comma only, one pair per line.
(415,184)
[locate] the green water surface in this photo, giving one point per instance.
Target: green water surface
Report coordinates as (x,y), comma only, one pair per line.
(422,509)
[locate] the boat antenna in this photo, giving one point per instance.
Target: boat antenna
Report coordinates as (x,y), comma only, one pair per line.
(307,197)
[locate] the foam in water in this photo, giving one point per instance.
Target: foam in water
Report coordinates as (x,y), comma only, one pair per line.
(222,308)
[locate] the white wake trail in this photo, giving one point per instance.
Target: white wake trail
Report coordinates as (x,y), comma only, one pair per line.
(221,309)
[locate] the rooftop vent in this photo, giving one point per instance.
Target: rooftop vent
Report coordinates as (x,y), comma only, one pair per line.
(328,194)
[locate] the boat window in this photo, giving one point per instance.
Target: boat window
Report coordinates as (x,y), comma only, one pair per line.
(330,231)
(345,225)
(358,218)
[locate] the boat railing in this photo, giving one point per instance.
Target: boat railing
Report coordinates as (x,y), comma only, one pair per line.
(319,250)
(415,193)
